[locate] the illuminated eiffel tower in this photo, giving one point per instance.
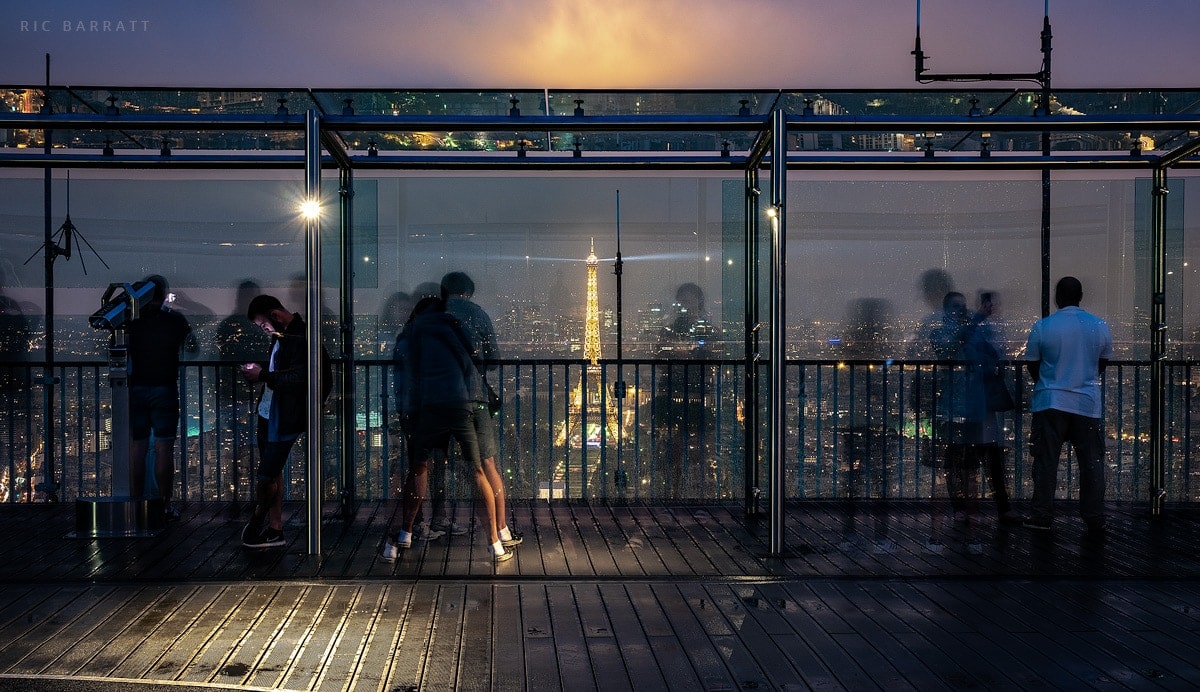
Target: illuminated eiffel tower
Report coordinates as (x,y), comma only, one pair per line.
(591,416)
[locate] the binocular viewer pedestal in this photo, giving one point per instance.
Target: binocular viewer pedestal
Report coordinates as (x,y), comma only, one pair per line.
(119,517)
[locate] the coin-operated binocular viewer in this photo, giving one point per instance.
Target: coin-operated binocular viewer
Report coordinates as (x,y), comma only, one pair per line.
(121,514)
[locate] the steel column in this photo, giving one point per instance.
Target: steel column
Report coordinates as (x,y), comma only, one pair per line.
(778,369)
(752,343)
(1158,338)
(312,315)
(349,448)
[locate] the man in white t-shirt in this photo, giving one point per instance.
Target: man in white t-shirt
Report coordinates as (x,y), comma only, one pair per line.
(1065,355)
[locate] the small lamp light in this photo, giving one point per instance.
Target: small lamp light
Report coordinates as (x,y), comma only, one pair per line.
(310,209)
(166,147)
(348,109)
(282,110)
(513,111)
(111,108)
(108,148)
(745,109)
(372,148)
(578,108)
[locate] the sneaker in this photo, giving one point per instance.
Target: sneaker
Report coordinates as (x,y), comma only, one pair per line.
(390,552)
(252,531)
(516,540)
(430,534)
(404,539)
(269,538)
(447,526)
(502,556)
(1036,524)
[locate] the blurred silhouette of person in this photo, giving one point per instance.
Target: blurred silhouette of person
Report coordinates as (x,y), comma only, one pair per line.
(934,284)
(1065,354)
(959,414)
(156,339)
(679,409)
(986,385)
(440,379)
(239,341)
(282,411)
(458,291)
(870,438)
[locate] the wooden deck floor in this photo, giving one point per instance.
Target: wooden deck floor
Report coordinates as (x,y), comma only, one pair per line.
(606,598)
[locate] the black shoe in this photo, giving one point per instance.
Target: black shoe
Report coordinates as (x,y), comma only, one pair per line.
(269,538)
(252,531)
(1036,524)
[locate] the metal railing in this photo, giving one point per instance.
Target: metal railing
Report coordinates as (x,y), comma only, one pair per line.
(855,429)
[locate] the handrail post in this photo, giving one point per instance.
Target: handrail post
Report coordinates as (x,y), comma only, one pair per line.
(778,370)
(312,279)
(1158,338)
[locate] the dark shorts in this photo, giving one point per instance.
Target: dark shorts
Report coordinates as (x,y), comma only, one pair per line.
(153,408)
(433,427)
(485,431)
(273,453)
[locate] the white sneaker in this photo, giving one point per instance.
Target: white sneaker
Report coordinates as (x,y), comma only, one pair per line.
(499,554)
(390,552)
(403,539)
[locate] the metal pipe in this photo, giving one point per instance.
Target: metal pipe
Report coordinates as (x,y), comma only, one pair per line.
(1158,338)
(312,315)
(600,123)
(651,161)
(346,233)
(48,485)
(752,341)
(778,367)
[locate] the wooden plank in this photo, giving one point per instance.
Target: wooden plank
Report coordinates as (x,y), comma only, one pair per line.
(337,666)
(647,670)
(637,543)
(477,654)
(607,655)
(675,562)
(507,651)
(574,663)
(595,542)
(613,537)
(541,655)
(380,642)
(706,659)
(129,630)
(446,639)
(312,651)
(213,606)
(265,650)
(409,659)
(214,651)
(52,632)
(752,654)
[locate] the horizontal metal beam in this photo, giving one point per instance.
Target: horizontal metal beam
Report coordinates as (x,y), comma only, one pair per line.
(28,158)
(385,123)
(991,123)
(629,123)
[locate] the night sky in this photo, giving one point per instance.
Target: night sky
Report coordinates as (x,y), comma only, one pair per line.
(503,44)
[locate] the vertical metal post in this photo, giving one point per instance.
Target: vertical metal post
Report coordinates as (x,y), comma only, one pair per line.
(1158,338)
(1045,111)
(778,366)
(750,395)
(312,313)
(48,485)
(349,448)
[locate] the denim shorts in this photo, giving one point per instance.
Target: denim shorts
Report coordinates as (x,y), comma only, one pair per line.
(434,426)
(153,408)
